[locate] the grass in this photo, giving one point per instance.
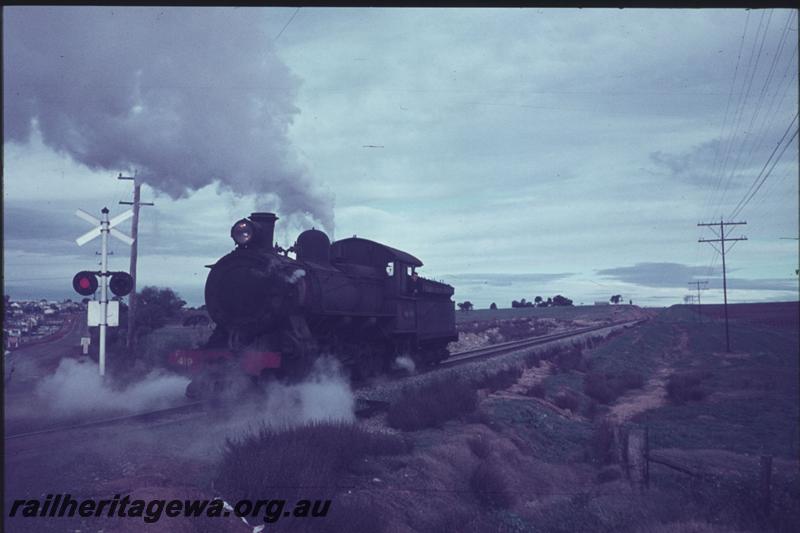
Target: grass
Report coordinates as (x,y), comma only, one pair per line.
(753,398)
(567,313)
(547,435)
(309,461)
(432,404)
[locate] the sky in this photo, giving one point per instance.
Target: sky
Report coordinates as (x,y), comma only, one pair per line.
(516,152)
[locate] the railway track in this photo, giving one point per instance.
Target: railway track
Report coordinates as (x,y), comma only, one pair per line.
(146,416)
(494,350)
(364,407)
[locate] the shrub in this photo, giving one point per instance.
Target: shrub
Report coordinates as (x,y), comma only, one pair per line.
(533,359)
(499,380)
(570,360)
(432,404)
(605,388)
(566,399)
(480,447)
(596,386)
(286,460)
(537,390)
(490,486)
(608,474)
(686,386)
(590,409)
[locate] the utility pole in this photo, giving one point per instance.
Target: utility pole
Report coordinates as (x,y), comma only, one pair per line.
(698,283)
(131,339)
(722,240)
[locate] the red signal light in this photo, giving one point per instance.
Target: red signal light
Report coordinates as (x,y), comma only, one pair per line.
(85,283)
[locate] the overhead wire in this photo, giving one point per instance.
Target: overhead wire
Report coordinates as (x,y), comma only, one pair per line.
(742,111)
(722,136)
(725,116)
(774,107)
(761,177)
(732,134)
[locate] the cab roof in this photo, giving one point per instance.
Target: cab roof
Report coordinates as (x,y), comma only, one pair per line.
(367,252)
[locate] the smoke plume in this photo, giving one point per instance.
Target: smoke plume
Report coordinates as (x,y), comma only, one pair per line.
(76,388)
(186,96)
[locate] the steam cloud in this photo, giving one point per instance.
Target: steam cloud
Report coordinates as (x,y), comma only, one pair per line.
(76,388)
(324,395)
(187,97)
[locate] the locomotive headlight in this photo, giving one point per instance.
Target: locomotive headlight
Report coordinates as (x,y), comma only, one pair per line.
(243,232)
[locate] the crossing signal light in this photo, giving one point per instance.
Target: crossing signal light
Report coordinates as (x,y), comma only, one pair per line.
(85,283)
(121,283)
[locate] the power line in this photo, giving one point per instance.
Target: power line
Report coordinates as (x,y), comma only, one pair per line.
(287,24)
(741,112)
(725,116)
(749,195)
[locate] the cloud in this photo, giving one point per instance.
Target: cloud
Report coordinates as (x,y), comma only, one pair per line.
(667,275)
(158,90)
(505,280)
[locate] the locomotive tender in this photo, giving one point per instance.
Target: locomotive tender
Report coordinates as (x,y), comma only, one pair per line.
(357,299)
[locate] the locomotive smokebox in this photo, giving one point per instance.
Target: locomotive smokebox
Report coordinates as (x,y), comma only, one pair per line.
(266,228)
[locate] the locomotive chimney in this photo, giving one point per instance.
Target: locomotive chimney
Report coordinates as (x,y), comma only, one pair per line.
(266,228)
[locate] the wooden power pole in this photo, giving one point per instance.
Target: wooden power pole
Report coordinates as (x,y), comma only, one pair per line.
(136,203)
(722,240)
(698,283)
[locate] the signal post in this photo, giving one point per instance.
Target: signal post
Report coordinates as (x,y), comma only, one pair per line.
(85,282)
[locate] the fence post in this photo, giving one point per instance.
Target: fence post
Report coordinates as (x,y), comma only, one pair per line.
(637,457)
(647,457)
(766,481)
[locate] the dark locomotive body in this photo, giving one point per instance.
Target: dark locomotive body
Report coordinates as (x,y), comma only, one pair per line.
(355,298)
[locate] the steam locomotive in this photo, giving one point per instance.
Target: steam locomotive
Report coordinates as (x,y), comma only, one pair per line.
(357,299)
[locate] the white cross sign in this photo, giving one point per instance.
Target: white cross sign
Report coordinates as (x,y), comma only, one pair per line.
(95,232)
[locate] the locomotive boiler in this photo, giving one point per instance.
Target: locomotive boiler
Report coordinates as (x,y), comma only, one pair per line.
(358,300)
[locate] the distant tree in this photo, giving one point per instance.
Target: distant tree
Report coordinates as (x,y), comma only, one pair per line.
(561,301)
(617,298)
(687,298)
(514,304)
(493,307)
(549,302)
(630,302)
(538,300)
(155,307)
